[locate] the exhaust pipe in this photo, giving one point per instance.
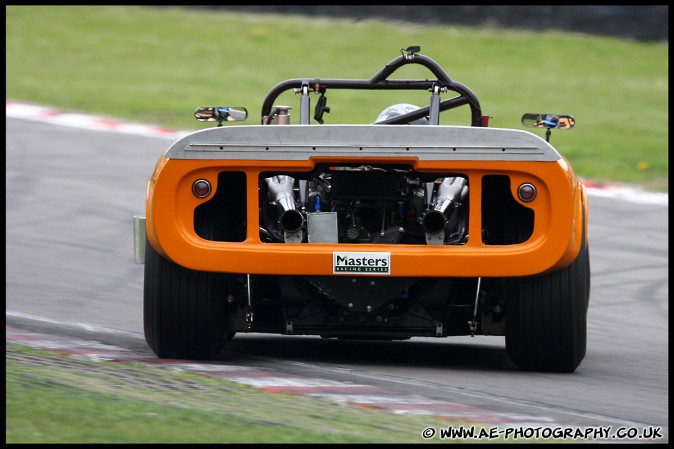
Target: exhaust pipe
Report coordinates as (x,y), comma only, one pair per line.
(281,191)
(291,220)
(434,221)
(452,191)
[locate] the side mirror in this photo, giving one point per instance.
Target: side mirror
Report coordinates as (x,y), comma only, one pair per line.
(548,121)
(221,114)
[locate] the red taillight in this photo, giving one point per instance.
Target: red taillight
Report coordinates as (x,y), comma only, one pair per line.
(526,192)
(201,188)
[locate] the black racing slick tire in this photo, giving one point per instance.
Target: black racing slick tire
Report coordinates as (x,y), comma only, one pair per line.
(546,317)
(185,314)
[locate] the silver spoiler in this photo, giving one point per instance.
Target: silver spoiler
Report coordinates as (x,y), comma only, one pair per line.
(301,142)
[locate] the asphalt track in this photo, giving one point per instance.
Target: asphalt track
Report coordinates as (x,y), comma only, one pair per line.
(71,193)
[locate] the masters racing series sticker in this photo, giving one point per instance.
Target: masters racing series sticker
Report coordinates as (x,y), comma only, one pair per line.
(361,263)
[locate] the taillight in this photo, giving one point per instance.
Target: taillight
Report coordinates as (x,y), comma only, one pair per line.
(201,188)
(526,192)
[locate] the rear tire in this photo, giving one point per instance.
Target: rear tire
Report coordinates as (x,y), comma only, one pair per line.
(184,310)
(546,317)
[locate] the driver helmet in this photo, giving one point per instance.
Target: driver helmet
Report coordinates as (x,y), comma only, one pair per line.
(400,109)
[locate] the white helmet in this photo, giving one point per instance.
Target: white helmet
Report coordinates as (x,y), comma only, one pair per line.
(401,109)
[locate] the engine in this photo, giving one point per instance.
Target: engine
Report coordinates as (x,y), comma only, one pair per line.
(364,204)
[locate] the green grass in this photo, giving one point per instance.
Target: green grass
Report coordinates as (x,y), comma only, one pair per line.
(60,399)
(155,65)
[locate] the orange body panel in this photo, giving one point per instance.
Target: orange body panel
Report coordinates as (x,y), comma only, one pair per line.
(555,242)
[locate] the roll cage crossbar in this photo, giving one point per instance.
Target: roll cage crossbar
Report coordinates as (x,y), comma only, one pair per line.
(380,81)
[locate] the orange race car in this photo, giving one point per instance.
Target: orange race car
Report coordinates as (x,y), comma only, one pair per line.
(399,228)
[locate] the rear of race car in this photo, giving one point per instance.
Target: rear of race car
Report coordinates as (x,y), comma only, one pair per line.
(389,230)
(361,231)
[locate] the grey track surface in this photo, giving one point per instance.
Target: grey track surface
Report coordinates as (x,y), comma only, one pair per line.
(70,197)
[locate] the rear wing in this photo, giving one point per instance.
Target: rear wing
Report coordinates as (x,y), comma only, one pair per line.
(302,142)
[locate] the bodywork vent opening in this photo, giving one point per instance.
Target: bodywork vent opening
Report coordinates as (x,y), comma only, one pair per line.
(504,220)
(223,217)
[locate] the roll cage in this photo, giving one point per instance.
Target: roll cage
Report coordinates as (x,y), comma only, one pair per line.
(380,81)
